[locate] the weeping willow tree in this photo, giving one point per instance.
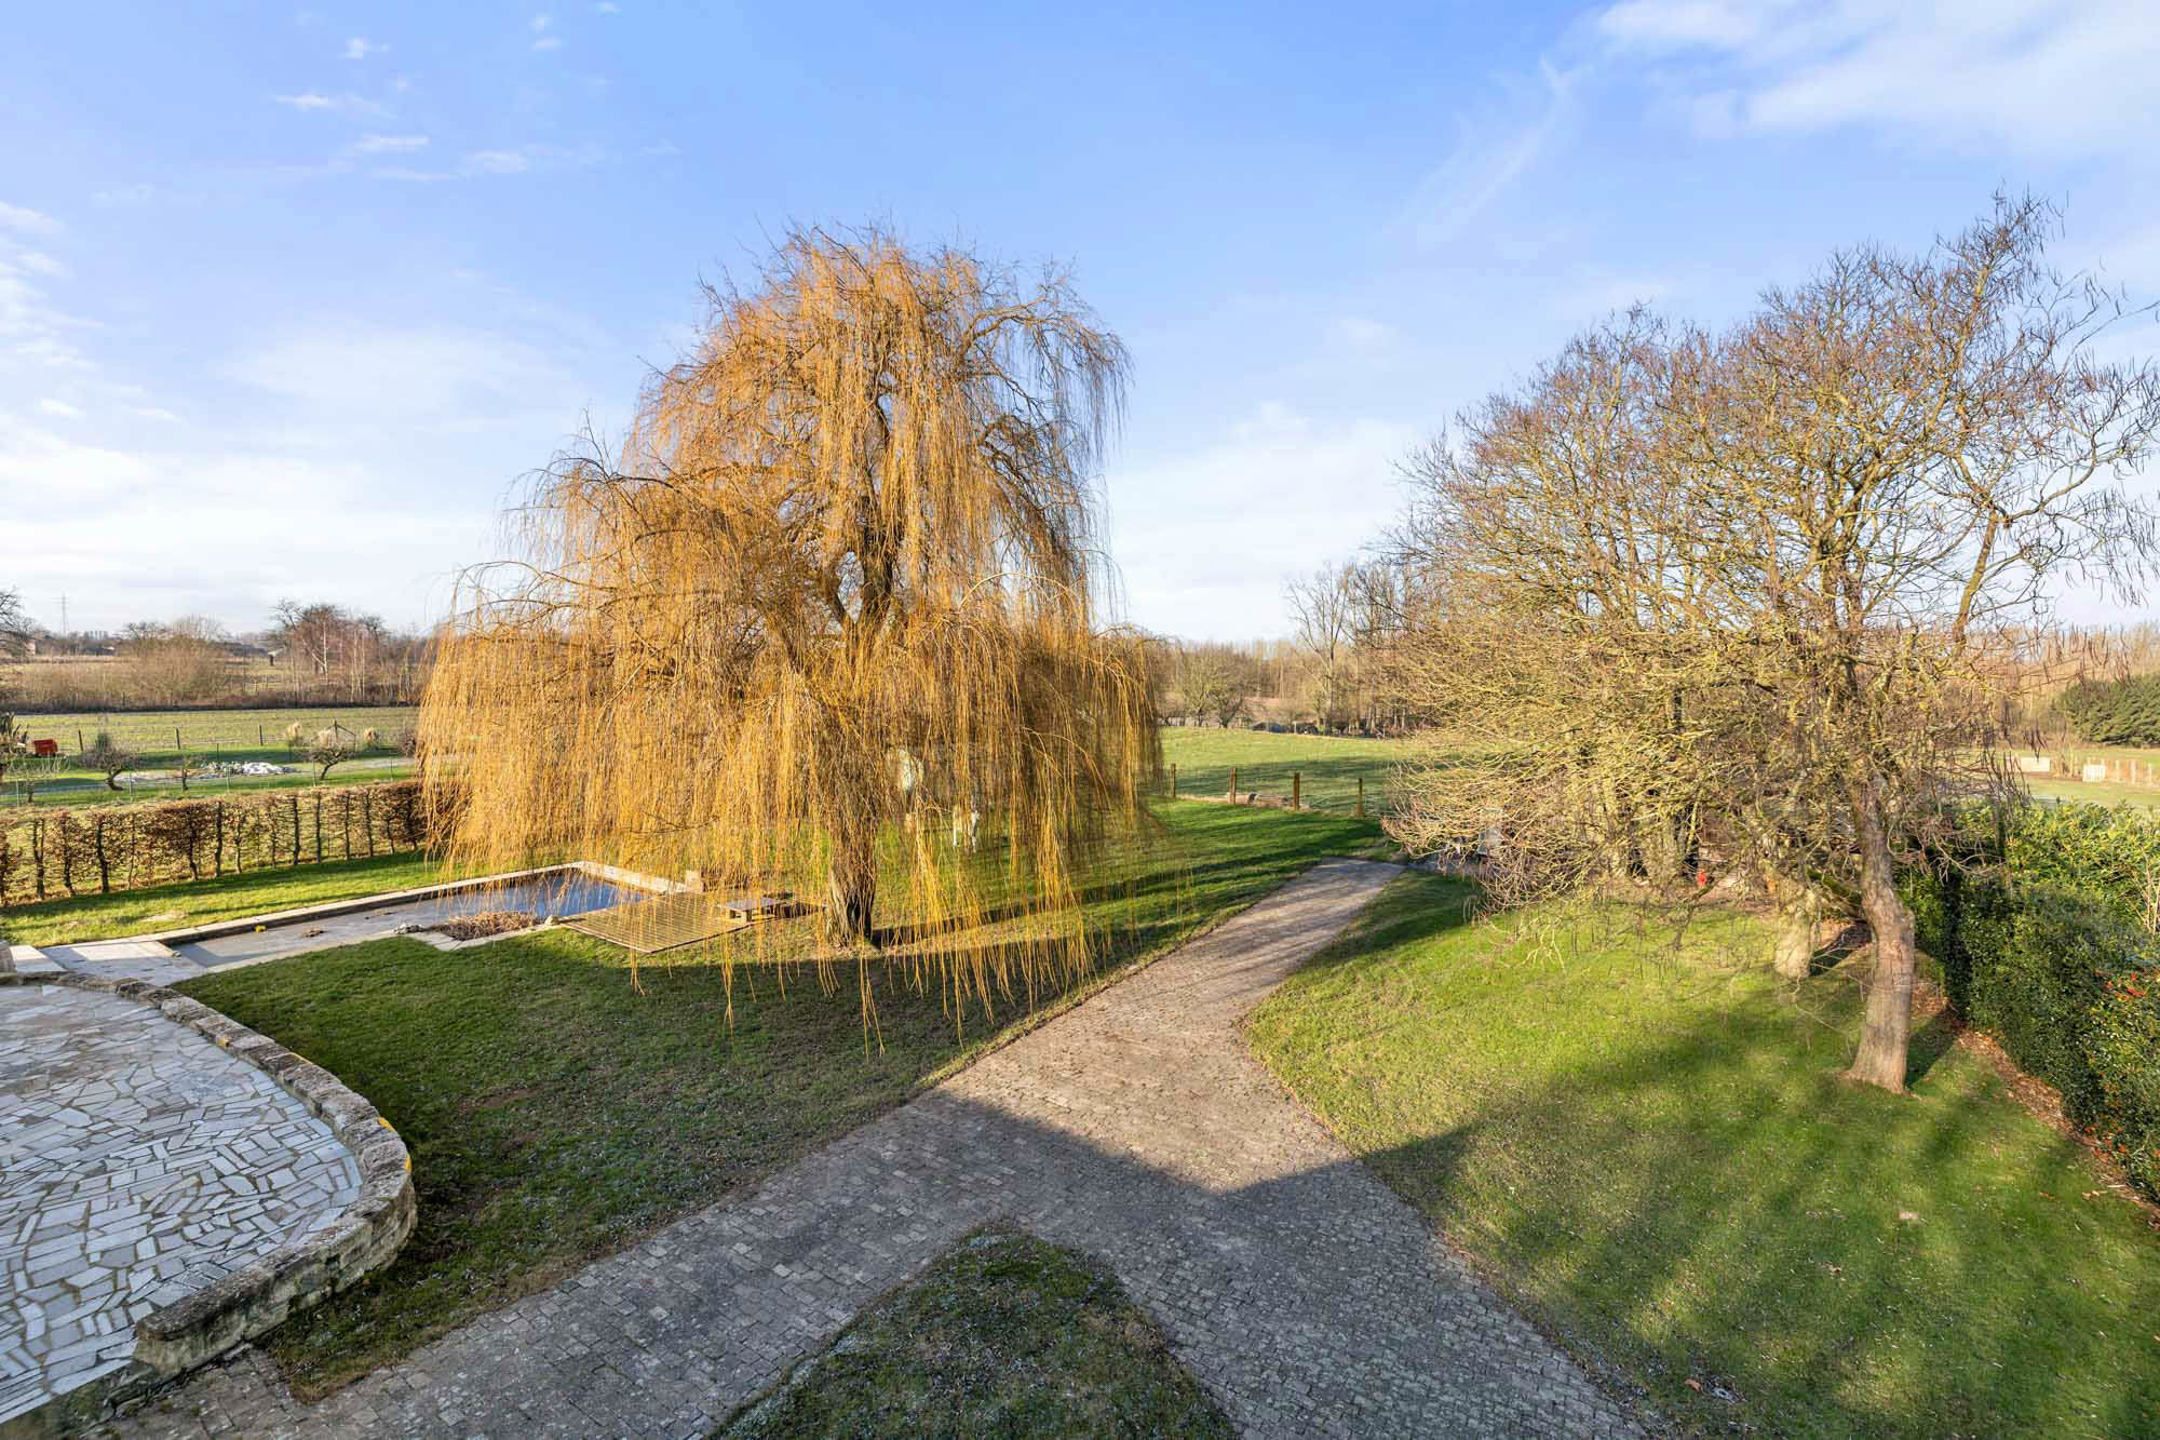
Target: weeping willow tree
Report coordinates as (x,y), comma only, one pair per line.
(829,620)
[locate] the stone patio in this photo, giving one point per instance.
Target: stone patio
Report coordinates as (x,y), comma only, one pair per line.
(138,1161)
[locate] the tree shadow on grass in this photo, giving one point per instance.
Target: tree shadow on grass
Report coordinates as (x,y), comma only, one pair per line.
(1700,1197)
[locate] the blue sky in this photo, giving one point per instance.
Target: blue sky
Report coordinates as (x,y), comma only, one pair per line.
(291,299)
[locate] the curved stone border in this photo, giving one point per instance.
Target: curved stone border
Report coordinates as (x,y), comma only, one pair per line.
(192,1327)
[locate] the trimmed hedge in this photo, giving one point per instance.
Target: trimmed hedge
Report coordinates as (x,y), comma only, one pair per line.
(51,854)
(2052,954)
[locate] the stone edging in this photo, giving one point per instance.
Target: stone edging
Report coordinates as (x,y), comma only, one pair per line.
(241,924)
(192,1327)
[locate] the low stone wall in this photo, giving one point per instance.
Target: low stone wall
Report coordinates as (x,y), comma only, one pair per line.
(196,1322)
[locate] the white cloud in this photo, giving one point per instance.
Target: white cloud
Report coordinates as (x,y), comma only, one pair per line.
(59,409)
(480,163)
(2060,77)
(1363,335)
(607,7)
(389,144)
(220,533)
(1597,292)
(139,193)
(1491,152)
(25,221)
(360,47)
(34,332)
(343,372)
(340,104)
(497,162)
(366,464)
(1206,540)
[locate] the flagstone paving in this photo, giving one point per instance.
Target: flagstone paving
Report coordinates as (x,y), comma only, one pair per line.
(1303,1294)
(137,1160)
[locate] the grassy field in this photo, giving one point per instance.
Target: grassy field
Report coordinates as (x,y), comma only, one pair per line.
(556,1114)
(200,902)
(1650,1150)
(2142,790)
(2094,792)
(160,736)
(1007,1336)
(1265,761)
(76,790)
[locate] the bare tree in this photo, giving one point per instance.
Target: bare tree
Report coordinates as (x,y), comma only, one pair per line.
(178,663)
(1326,609)
(329,749)
(14,624)
(1752,596)
(108,759)
(1214,683)
(15,748)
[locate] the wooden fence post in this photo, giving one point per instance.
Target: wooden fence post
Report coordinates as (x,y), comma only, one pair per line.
(1361,797)
(1297,789)
(1173,779)
(1233,783)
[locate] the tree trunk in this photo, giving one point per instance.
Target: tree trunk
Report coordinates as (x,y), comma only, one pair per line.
(1799,911)
(851,885)
(1887,1031)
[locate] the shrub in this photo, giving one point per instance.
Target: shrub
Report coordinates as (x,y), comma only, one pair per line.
(2054,953)
(2039,967)
(2125,1056)
(2111,857)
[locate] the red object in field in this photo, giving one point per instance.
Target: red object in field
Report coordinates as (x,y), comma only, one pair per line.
(45,747)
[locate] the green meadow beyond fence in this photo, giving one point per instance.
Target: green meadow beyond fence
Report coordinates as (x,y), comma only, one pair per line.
(157,736)
(53,854)
(1338,775)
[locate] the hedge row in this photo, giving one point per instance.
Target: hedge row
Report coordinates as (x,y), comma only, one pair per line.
(2114,712)
(53,854)
(2049,946)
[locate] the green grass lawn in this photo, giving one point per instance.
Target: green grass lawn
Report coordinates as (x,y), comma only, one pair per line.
(1006,1336)
(75,790)
(1650,1150)
(1265,761)
(556,1114)
(200,902)
(157,736)
(2094,792)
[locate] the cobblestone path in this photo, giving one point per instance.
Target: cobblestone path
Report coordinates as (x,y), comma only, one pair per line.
(1304,1295)
(134,1155)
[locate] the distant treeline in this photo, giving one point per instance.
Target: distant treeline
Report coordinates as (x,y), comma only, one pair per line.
(311,654)
(2114,712)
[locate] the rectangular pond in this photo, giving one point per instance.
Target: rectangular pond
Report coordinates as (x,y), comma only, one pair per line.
(548,895)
